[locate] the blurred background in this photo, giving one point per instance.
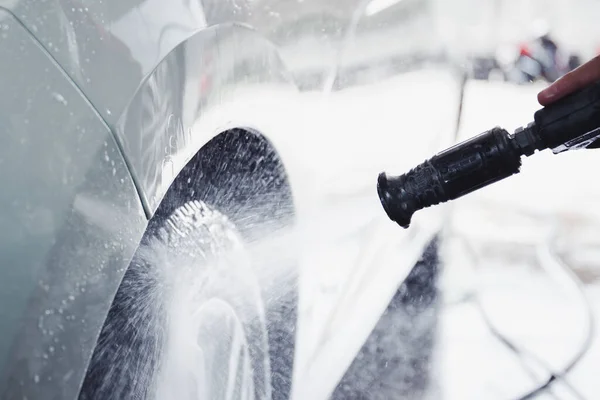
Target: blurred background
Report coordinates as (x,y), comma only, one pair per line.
(499,277)
(519,289)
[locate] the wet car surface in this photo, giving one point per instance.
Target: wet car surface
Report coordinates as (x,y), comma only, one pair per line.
(119,117)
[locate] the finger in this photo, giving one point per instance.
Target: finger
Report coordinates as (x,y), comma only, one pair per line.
(571,82)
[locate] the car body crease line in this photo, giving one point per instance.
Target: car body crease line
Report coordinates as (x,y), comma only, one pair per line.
(78,89)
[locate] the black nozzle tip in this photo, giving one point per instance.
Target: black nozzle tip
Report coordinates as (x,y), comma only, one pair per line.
(389,195)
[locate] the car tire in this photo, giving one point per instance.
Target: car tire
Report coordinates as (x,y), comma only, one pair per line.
(396,361)
(191,299)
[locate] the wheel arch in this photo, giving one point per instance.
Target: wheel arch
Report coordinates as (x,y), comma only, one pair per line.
(205,87)
(199,127)
(240,173)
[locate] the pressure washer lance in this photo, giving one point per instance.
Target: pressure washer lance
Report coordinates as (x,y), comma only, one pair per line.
(568,124)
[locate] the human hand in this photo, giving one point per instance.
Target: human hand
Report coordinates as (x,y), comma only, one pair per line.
(571,82)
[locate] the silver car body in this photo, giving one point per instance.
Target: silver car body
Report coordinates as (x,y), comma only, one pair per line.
(102,104)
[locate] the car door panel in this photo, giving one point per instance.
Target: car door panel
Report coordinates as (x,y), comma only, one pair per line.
(71,220)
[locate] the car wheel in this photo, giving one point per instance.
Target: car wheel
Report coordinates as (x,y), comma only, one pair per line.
(396,360)
(193,317)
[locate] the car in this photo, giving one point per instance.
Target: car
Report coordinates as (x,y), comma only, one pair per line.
(155,166)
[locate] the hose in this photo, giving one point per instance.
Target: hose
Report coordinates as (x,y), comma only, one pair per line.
(557,268)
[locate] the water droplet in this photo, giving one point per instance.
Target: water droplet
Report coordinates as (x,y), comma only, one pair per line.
(36,378)
(71,297)
(114,171)
(59,97)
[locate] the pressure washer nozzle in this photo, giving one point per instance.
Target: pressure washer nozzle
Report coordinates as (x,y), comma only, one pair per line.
(570,123)
(398,211)
(459,170)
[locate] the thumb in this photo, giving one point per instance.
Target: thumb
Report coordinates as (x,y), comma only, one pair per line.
(571,82)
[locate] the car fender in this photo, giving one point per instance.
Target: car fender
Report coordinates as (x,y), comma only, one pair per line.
(71,219)
(108,48)
(222,77)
